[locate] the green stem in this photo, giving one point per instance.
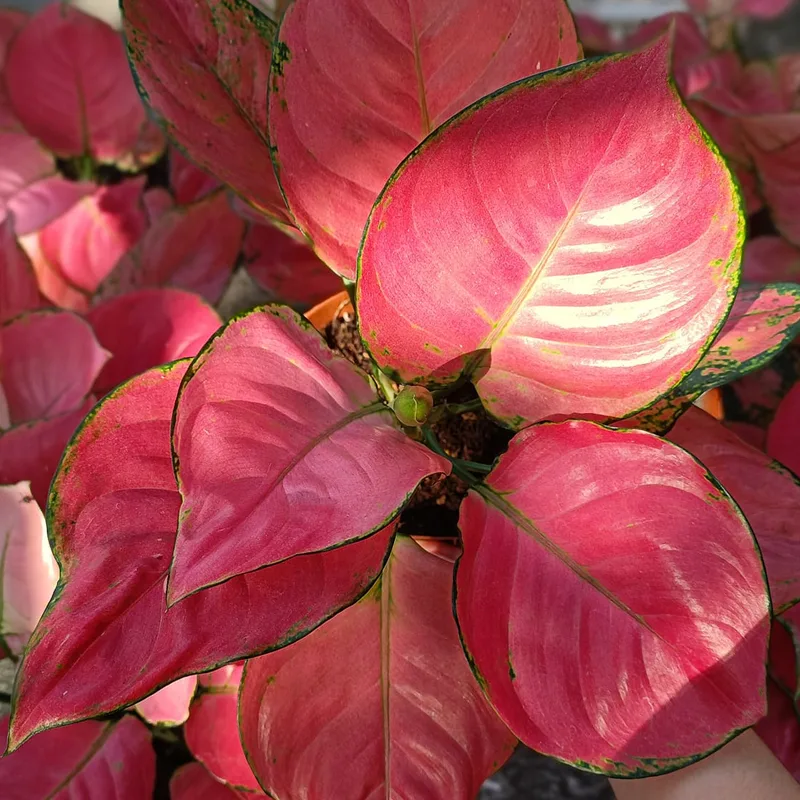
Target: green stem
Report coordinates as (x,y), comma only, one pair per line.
(459,466)
(385,385)
(350,288)
(85,168)
(462,408)
(473,466)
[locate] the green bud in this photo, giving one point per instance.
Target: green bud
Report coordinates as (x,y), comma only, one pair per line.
(412,405)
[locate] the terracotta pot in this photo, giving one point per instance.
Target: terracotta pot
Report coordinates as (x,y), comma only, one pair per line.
(322,313)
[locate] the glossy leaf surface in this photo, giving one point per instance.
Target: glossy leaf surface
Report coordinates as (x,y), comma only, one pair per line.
(194,782)
(282,448)
(595,310)
(588,540)
(762,322)
(69,84)
(170,705)
(783,436)
(145,328)
(191,247)
(204,67)
(341,130)
(48,363)
(287,268)
(212,735)
(768,494)
(28,571)
(394,700)
(114,503)
(18,289)
(89,761)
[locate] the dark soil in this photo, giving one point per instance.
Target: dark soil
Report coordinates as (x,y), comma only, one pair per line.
(469,436)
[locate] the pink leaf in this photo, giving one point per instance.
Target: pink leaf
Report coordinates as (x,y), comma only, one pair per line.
(340,130)
(149,327)
(31,451)
(18,289)
(770,258)
(558,198)
(762,322)
(212,735)
(779,178)
(192,247)
(595,35)
(28,571)
(69,83)
(189,183)
(48,363)
(224,679)
(24,162)
(157,201)
(783,655)
(790,624)
(12,20)
(783,436)
(112,515)
(287,268)
(170,705)
(393,698)
(44,201)
(90,761)
(78,250)
(587,541)
(194,782)
(282,448)
(768,495)
(780,729)
(204,66)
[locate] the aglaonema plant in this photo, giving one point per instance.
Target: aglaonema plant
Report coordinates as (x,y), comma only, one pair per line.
(570,245)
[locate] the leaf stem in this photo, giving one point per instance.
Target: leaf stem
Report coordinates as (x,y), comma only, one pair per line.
(386,386)
(460,468)
(462,408)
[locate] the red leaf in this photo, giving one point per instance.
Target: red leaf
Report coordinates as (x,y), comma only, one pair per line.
(768,494)
(48,363)
(170,705)
(194,782)
(770,258)
(90,761)
(341,129)
(587,541)
(282,448)
(18,289)
(204,67)
(393,698)
(28,571)
(783,656)
(112,516)
(285,266)
(69,83)
(212,735)
(191,247)
(189,183)
(780,729)
(31,451)
(783,436)
(150,327)
(594,310)
(24,162)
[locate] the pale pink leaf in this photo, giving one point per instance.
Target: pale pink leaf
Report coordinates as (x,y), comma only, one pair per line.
(44,201)
(559,199)
(224,679)
(282,447)
(170,705)
(393,698)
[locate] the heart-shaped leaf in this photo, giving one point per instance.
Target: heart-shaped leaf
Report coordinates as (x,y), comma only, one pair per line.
(149,327)
(31,451)
(90,761)
(762,322)
(783,436)
(282,447)
(69,84)
(18,289)
(394,698)
(28,571)
(287,268)
(611,247)
(204,67)
(114,504)
(587,541)
(212,735)
(192,247)
(48,363)
(768,494)
(341,130)
(170,705)
(194,782)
